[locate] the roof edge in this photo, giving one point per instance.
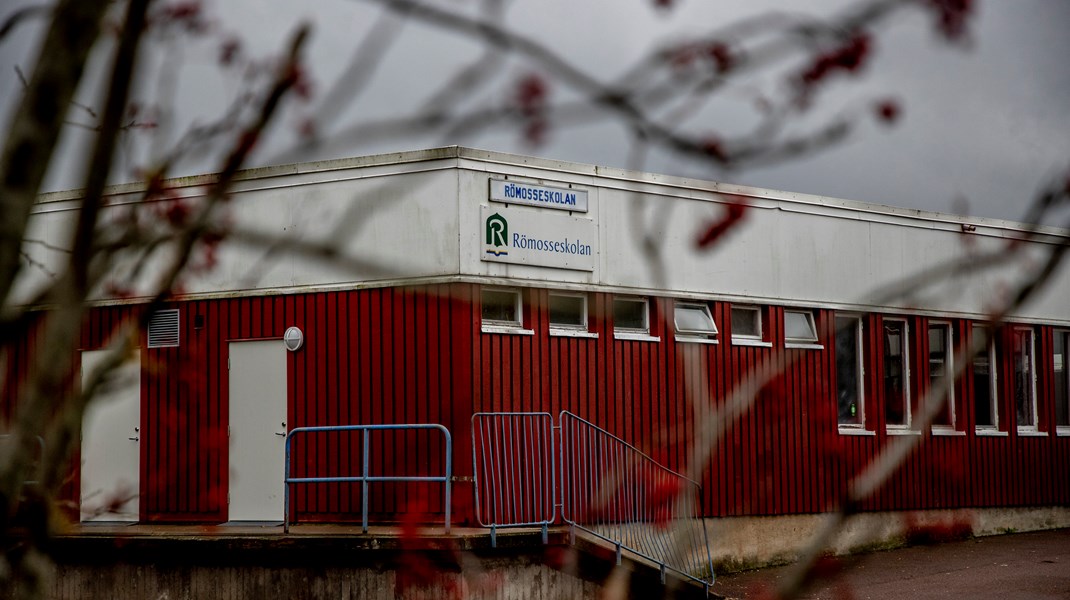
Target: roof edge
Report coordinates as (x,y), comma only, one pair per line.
(477,155)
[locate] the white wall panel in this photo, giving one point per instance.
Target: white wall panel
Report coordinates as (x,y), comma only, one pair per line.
(417,216)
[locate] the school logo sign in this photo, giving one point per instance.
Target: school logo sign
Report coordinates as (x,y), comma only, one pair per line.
(497,235)
(537,238)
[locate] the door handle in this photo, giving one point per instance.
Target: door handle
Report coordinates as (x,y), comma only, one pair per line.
(133,439)
(283,434)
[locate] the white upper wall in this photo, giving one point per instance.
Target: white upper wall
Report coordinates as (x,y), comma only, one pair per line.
(422,216)
(791,249)
(388,218)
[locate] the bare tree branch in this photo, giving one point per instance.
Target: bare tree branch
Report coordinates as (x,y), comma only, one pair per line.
(366,59)
(51,395)
(45,395)
(16,18)
(36,123)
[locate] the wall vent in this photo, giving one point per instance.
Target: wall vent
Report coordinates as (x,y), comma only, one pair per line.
(163,329)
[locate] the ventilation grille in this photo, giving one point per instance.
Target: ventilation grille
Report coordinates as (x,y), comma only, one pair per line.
(163,329)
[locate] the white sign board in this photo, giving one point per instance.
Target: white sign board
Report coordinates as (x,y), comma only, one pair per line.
(512,192)
(543,239)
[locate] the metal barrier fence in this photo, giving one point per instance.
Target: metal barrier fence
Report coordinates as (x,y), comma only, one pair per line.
(615,492)
(608,488)
(513,461)
(365,477)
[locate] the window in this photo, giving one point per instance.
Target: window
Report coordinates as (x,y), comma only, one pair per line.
(568,314)
(631,317)
(693,320)
(984,382)
(1025,383)
(896,374)
(1062,385)
(746,324)
(799,328)
(940,370)
(849,367)
(501,308)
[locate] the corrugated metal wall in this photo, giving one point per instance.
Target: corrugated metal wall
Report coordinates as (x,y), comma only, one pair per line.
(771,462)
(381,356)
(371,356)
(17,366)
(417,355)
(786,455)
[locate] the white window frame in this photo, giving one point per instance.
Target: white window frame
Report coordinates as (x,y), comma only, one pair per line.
(949,370)
(808,343)
(993,380)
(1062,430)
(568,330)
(860,367)
(704,336)
(745,339)
(1034,427)
(631,333)
(499,326)
(900,428)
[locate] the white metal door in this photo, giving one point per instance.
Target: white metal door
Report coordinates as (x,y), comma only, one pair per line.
(111,443)
(257,430)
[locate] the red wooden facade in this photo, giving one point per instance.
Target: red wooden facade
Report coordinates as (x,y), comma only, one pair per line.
(409,355)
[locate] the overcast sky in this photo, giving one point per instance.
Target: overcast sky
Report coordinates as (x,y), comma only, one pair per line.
(986,123)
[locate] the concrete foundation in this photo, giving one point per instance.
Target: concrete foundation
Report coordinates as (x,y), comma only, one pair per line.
(162,563)
(332,562)
(740,543)
(509,579)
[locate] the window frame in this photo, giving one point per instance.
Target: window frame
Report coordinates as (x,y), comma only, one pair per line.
(1061,428)
(515,326)
(566,329)
(705,336)
(746,339)
(993,381)
(905,427)
(949,370)
(810,343)
(1034,427)
(631,333)
(858,334)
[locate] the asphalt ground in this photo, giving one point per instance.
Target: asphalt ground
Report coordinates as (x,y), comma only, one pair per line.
(1020,566)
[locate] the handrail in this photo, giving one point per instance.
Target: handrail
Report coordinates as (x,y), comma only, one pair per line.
(364,478)
(602,484)
(615,492)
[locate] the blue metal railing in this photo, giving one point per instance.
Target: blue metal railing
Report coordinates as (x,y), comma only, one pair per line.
(513,461)
(365,477)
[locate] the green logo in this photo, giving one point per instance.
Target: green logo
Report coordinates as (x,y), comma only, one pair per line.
(497,234)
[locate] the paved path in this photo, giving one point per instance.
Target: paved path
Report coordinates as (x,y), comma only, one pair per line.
(1019,566)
